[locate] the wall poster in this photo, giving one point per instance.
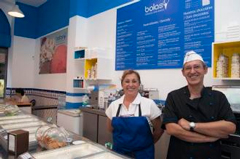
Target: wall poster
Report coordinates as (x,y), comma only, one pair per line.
(53,53)
(154,34)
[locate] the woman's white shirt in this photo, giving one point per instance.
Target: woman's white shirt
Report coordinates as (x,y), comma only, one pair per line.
(148,107)
(24,99)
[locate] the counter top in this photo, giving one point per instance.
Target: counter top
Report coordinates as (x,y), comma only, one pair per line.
(70,112)
(45,107)
(87,147)
(93,110)
(24,104)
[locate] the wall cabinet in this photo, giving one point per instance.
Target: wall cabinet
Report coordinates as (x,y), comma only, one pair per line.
(226,60)
(91,67)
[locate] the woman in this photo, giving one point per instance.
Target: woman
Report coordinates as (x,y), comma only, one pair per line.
(22,98)
(130,117)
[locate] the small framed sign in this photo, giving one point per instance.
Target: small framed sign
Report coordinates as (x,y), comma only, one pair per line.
(18,142)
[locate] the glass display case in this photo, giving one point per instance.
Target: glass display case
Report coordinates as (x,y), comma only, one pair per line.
(23,125)
(54,140)
(16,122)
(11,110)
(69,152)
(13,121)
(85,150)
(39,134)
(20,116)
(104,155)
(232,93)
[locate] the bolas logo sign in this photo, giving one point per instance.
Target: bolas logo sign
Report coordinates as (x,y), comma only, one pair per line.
(157,7)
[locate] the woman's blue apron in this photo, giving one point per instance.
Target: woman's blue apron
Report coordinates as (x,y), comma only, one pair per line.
(132,136)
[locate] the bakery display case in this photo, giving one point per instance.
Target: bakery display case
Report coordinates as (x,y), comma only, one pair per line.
(21,116)
(19,122)
(51,137)
(48,141)
(21,125)
(104,155)
(14,121)
(69,152)
(86,150)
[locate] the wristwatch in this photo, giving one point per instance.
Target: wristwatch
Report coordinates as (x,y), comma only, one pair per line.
(192,126)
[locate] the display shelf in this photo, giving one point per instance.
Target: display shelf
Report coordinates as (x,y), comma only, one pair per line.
(78,83)
(79,53)
(80,59)
(226,49)
(94,67)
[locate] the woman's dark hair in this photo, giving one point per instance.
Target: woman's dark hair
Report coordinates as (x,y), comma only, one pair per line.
(20,90)
(128,72)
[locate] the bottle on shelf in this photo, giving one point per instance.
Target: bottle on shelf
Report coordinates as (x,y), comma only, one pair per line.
(222,66)
(235,66)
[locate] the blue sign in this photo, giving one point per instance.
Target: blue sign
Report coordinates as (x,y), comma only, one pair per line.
(154,34)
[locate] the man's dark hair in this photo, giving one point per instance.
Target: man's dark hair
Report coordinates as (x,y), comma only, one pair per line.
(20,90)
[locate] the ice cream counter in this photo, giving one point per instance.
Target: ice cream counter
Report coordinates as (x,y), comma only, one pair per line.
(79,147)
(95,125)
(94,128)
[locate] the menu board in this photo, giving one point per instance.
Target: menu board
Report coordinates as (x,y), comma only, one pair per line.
(154,34)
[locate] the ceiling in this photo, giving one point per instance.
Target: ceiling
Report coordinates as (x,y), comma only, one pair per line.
(35,3)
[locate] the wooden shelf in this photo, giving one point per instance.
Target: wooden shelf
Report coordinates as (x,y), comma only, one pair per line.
(93,68)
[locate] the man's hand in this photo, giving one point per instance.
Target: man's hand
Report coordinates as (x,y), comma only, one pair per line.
(184,124)
(215,129)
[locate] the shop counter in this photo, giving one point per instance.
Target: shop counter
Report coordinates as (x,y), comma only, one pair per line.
(95,125)
(80,147)
(73,116)
(27,107)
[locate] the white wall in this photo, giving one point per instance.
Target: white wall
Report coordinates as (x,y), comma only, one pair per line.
(22,75)
(102,33)
(226,14)
(22,62)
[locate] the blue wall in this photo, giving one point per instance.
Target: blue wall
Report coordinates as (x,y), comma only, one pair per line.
(51,16)
(98,6)
(78,7)
(27,26)
(5,31)
(88,8)
(55,14)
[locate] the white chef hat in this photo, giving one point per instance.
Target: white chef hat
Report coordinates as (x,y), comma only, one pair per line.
(191,56)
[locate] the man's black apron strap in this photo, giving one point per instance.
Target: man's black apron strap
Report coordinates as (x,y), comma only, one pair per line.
(139,109)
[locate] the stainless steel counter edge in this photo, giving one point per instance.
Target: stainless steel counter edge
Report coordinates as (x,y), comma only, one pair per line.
(68,112)
(93,111)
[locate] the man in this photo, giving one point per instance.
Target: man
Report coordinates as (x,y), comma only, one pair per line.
(195,116)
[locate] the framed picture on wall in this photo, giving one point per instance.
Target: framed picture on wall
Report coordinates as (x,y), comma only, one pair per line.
(53,53)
